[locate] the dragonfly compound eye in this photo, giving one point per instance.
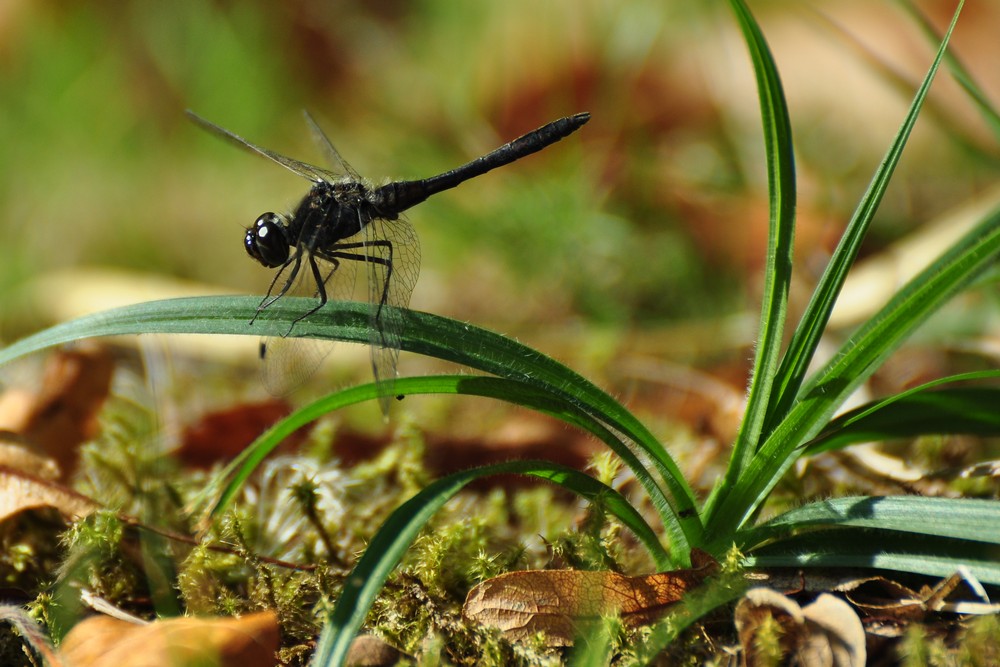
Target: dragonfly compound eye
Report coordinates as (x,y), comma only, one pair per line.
(266,241)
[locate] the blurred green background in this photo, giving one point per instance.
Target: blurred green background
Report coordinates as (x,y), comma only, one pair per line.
(655,212)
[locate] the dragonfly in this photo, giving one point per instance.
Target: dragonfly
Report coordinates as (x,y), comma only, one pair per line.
(342,222)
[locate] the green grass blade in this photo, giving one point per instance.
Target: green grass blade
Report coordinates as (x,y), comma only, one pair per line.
(960,73)
(234,475)
(424,333)
(807,334)
(715,592)
(933,287)
(778,270)
(953,518)
(492,353)
(883,550)
(859,357)
(402,527)
(929,536)
(595,647)
(226,483)
(934,112)
(921,411)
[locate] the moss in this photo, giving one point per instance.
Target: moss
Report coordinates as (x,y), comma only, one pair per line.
(979,643)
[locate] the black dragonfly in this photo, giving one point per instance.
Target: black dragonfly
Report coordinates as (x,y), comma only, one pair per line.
(344,221)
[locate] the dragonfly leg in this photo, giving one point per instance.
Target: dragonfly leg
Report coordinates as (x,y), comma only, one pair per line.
(386,262)
(295,261)
(388,271)
(320,288)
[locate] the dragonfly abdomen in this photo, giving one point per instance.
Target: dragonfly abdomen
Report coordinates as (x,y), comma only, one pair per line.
(394,198)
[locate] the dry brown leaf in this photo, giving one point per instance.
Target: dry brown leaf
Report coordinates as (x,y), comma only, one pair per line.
(63,413)
(101,641)
(13,455)
(884,598)
(20,491)
(826,633)
(222,434)
(557,603)
(891,601)
(521,436)
(989,469)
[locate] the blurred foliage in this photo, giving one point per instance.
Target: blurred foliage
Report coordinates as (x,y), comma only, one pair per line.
(656,210)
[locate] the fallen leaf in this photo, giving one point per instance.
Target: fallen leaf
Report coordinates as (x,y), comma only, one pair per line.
(20,491)
(989,469)
(102,641)
(61,415)
(886,600)
(825,633)
(14,455)
(222,434)
(560,603)
(522,435)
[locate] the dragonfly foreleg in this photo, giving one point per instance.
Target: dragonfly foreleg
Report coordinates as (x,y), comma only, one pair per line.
(295,261)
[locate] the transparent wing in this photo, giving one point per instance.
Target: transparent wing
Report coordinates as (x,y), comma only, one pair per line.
(330,152)
(393,264)
(390,253)
(303,169)
(287,362)
(389,250)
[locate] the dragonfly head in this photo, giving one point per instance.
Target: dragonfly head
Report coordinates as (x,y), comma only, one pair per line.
(267,241)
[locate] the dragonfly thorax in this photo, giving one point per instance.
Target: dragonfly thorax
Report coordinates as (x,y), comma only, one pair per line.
(267,240)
